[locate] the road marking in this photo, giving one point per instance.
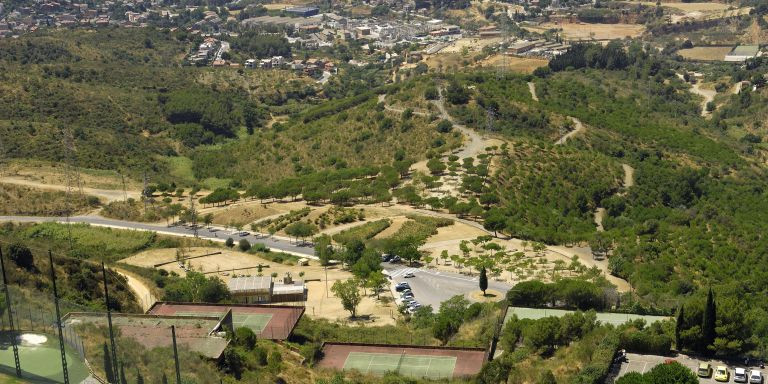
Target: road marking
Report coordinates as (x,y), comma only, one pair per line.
(645,365)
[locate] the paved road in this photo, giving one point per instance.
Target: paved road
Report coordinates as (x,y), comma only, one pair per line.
(432,287)
(215,234)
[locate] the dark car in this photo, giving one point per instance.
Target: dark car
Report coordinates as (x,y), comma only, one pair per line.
(402,287)
(386,257)
(395,259)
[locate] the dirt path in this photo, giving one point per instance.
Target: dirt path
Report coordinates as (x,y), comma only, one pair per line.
(108,195)
(532,89)
(707,94)
(142,292)
(578,127)
(474,145)
(629,181)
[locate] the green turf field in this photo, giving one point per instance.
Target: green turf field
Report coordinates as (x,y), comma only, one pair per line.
(41,364)
(255,321)
(432,367)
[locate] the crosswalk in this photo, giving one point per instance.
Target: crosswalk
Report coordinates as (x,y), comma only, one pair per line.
(400,272)
(416,271)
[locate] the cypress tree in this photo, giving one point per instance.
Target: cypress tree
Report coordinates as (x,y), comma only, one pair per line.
(679,326)
(709,321)
(164,379)
(483,281)
(139,377)
(122,375)
(108,369)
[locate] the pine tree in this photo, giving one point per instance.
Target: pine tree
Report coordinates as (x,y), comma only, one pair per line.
(709,321)
(122,375)
(108,369)
(679,327)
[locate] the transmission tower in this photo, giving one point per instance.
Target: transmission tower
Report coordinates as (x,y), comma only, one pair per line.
(490,115)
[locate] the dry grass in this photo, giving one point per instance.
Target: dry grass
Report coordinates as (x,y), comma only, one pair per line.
(23,200)
(705,53)
(514,64)
(583,31)
(691,7)
(244,214)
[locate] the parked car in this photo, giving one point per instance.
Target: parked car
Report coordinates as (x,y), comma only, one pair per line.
(755,377)
(395,259)
(705,370)
(722,374)
(407,295)
(408,302)
(415,305)
(739,375)
(386,257)
(402,286)
(409,275)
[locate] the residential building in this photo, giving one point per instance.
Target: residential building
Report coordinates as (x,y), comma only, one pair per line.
(261,289)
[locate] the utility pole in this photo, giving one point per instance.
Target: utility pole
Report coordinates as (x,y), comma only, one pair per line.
(10,316)
(326,281)
(193,212)
(64,369)
(125,193)
(115,364)
(144,191)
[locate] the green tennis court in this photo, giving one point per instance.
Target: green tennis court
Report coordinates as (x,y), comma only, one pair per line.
(416,366)
(603,317)
(255,321)
(42,363)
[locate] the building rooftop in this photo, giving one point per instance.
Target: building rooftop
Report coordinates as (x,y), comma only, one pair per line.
(249,284)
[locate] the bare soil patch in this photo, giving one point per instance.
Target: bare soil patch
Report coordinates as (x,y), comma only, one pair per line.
(584,31)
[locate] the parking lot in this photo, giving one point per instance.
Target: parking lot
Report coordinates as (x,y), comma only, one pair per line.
(432,287)
(644,363)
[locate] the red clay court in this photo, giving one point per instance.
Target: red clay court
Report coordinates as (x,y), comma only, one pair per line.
(407,360)
(274,322)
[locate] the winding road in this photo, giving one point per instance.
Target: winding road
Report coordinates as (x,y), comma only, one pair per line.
(214,233)
(475,143)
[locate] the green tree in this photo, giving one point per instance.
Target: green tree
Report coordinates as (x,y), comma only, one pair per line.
(444,126)
(244,245)
(435,166)
(376,282)
(679,324)
(301,229)
(230,242)
(632,378)
(233,362)
(547,378)
(208,219)
(164,379)
(22,256)
(674,373)
(323,249)
(349,294)
(139,377)
(709,321)
(483,280)
(245,338)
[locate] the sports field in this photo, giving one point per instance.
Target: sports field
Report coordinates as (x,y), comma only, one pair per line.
(41,363)
(604,317)
(407,360)
(257,321)
(431,367)
(274,322)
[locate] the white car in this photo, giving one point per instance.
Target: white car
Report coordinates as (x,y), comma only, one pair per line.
(755,377)
(739,375)
(409,275)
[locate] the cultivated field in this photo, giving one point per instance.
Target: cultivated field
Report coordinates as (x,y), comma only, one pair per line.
(705,53)
(583,31)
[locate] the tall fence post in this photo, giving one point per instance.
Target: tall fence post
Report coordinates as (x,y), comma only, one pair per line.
(10,316)
(64,369)
(109,323)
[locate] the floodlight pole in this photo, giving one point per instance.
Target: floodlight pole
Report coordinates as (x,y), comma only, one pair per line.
(10,316)
(176,354)
(64,369)
(115,364)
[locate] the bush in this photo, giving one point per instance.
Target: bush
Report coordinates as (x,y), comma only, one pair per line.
(244,245)
(230,242)
(597,370)
(444,126)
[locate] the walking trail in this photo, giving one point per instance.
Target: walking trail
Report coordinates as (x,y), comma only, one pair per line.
(532,88)
(142,292)
(108,195)
(707,94)
(578,127)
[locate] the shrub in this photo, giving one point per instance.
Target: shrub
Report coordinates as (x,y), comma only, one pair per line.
(244,245)
(230,242)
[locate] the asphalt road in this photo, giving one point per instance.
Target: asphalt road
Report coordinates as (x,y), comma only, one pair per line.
(217,234)
(432,287)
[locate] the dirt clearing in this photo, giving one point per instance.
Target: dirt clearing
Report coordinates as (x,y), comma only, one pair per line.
(705,53)
(583,31)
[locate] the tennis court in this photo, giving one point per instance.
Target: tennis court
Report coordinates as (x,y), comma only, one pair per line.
(603,317)
(432,367)
(408,360)
(41,363)
(256,321)
(275,322)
